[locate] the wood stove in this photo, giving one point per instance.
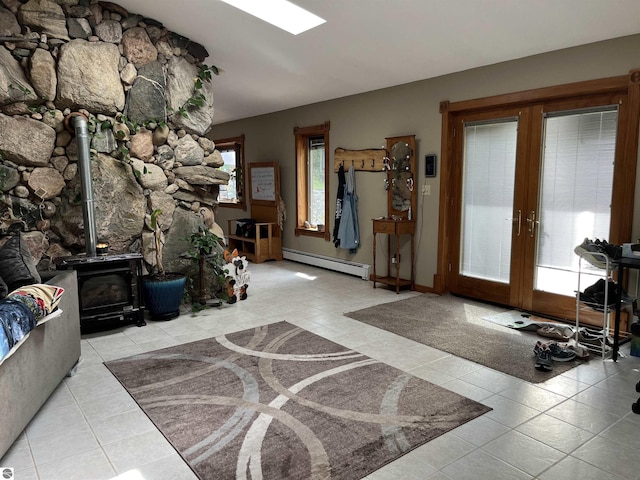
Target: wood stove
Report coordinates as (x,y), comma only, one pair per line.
(109,290)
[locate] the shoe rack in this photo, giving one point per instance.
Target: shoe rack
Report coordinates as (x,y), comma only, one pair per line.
(591,337)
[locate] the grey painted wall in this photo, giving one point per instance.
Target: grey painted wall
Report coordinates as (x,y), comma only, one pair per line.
(363,121)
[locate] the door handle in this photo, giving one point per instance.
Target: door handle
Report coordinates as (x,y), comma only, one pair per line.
(517,220)
(531,223)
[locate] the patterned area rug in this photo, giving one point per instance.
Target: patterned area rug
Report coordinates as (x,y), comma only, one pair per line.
(458,326)
(279,402)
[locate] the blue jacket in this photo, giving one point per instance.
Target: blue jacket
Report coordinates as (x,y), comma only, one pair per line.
(348,232)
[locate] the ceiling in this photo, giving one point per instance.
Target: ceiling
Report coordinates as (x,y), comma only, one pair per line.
(371,44)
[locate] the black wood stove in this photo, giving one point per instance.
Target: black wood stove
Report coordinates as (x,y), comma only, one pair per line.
(109,290)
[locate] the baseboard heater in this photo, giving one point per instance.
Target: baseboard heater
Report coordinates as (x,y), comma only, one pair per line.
(344,266)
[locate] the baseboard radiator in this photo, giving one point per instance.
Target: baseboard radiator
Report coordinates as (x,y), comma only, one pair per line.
(344,266)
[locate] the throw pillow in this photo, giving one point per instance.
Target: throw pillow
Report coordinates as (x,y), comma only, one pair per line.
(16,264)
(40,298)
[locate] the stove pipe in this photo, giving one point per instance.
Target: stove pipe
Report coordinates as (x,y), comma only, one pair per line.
(79,123)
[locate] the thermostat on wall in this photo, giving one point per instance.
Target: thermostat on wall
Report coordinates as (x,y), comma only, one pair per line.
(430,165)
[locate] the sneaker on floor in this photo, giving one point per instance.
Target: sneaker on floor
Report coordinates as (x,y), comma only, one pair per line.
(560,354)
(543,360)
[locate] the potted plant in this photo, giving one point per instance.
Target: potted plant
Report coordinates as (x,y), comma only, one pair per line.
(207,250)
(163,291)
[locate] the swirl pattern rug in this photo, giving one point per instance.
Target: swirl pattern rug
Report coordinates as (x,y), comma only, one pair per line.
(279,402)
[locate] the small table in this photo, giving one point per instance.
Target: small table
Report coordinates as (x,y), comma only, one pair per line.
(395,227)
(622,263)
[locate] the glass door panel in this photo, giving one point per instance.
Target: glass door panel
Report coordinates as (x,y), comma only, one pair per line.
(489,166)
(576,187)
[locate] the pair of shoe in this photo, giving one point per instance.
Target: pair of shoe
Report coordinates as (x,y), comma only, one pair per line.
(587,337)
(595,294)
(548,352)
(559,352)
(589,247)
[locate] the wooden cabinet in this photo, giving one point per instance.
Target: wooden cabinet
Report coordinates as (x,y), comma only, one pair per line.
(394,229)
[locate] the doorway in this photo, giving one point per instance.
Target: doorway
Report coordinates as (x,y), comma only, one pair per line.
(527,183)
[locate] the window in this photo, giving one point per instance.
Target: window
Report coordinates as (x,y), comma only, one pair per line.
(232,150)
(312,163)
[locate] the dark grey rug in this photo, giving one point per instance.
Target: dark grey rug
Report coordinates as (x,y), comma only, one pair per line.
(455,325)
(279,402)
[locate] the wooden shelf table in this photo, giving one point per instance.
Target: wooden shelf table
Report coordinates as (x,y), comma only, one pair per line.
(396,228)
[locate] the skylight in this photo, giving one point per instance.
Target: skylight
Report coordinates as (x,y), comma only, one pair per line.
(281,13)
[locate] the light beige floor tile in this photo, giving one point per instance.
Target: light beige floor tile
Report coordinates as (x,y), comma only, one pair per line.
(582,416)
(491,380)
(48,448)
(91,464)
(407,467)
(443,450)
(121,426)
(624,432)
(130,452)
(611,457)
(96,387)
(533,396)
(467,390)
(564,385)
(171,467)
(618,404)
(555,433)
(24,473)
(480,430)
(523,452)
(108,405)
(430,375)
(454,366)
(19,455)
(58,420)
(479,464)
(508,412)
(571,468)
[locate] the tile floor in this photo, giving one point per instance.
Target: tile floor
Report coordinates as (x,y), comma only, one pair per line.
(577,425)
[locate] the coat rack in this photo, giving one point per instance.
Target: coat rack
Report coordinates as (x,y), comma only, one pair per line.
(370,160)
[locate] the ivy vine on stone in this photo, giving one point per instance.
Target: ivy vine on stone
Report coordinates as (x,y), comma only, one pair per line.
(197,98)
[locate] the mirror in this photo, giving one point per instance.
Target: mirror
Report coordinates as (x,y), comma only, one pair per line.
(401,176)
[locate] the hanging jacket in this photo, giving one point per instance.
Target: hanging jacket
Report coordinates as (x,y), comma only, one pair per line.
(339,200)
(348,232)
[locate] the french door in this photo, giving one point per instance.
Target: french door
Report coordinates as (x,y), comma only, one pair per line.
(529,184)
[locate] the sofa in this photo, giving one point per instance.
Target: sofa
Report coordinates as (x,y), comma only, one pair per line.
(37,366)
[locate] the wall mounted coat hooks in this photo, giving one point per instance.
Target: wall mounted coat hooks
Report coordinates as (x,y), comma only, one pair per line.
(370,160)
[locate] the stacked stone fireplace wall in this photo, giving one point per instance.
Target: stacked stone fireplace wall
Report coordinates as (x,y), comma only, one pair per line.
(133,79)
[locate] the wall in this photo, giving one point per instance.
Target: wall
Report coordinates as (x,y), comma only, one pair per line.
(363,121)
(133,80)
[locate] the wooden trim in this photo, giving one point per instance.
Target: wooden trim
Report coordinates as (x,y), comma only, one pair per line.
(302,201)
(440,283)
(312,130)
(327,182)
(301,179)
(544,94)
(234,142)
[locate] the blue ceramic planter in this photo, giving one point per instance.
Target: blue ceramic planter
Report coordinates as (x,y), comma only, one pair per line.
(163,295)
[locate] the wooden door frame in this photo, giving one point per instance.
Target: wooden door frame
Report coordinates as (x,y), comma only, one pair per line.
(626,155)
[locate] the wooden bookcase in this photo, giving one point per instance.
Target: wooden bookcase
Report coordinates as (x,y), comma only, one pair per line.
(264,197)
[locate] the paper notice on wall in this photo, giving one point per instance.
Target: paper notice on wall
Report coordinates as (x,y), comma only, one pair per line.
(263,185)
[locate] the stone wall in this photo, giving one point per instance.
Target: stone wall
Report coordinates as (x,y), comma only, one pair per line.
(149,101)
